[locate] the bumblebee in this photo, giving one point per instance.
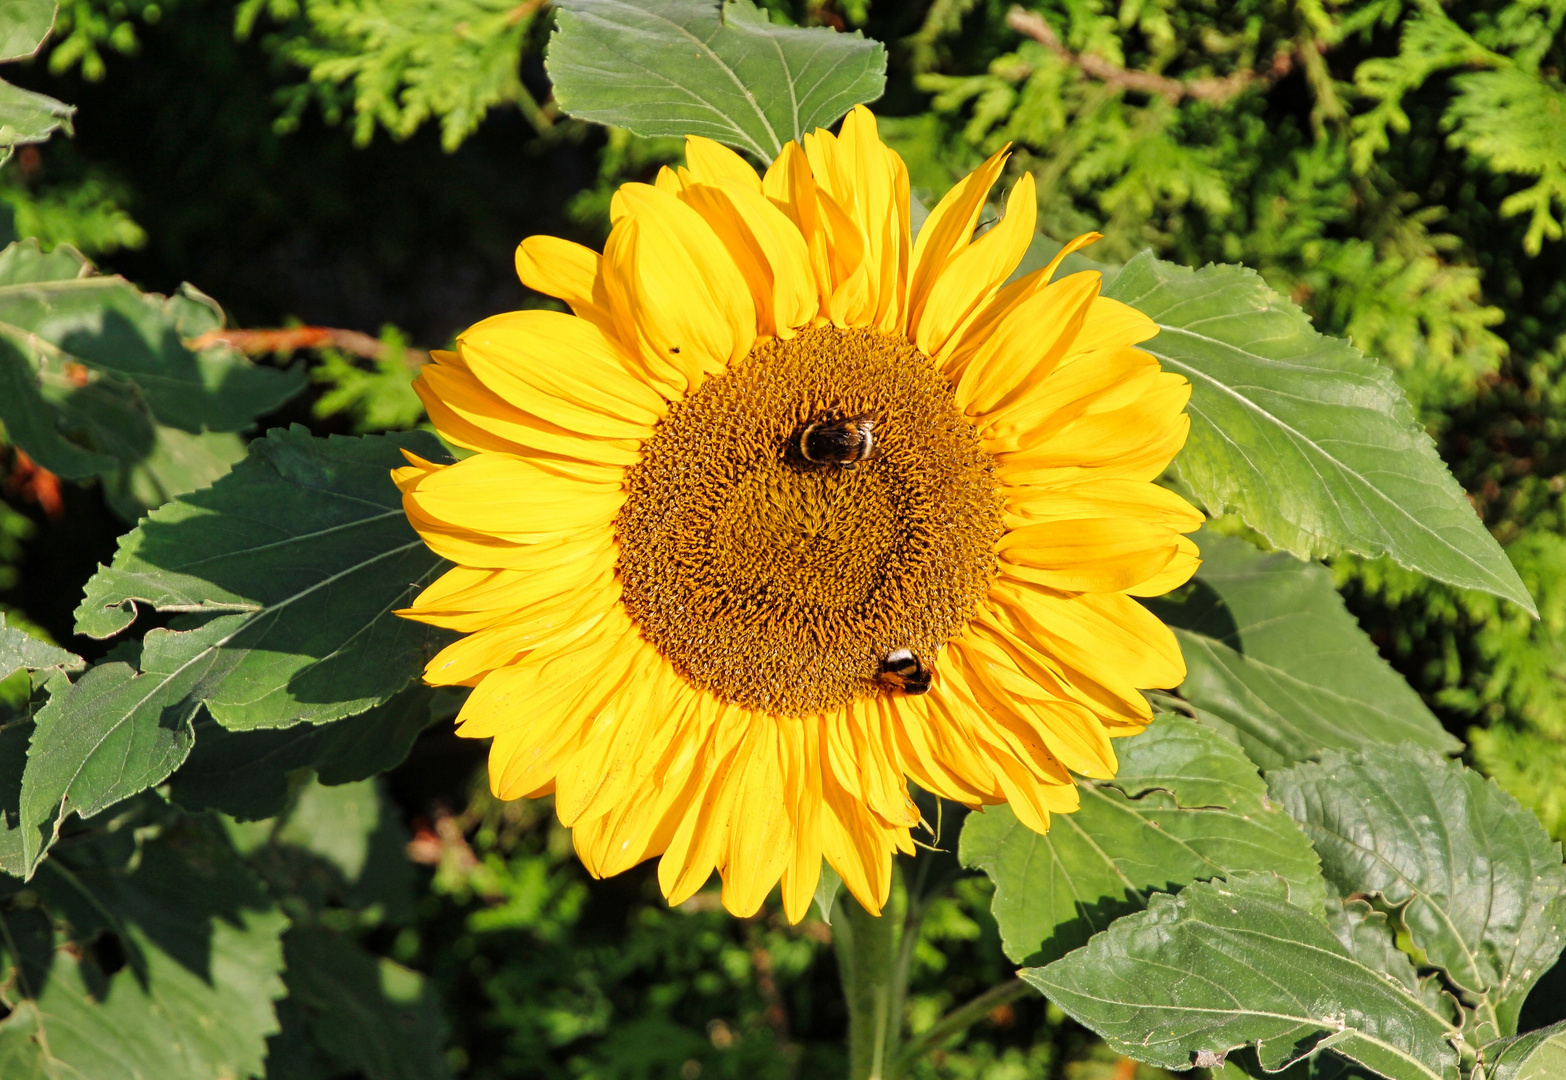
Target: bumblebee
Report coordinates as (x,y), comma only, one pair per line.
(837,441)
(902,670)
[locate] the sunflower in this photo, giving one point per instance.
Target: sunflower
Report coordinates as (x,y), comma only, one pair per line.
(784,470)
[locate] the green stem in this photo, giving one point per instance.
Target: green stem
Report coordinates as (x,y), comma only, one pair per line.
(866,956)
(959,1019)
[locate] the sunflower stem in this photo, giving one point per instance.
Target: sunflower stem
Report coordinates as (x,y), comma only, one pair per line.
(867,959)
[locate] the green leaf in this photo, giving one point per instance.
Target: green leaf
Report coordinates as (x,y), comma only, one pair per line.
(202,961)
(88,356)
(16,733)
(306,549)
(1185,805)
(177,463)
(344,846)
(1475,878)
(1272,653)
(1538,1055)
(111,734)
(306,543)
(1313,444)
(31,422)
(29,117)
(701,67)
(1371,938)
(24,24)
(1227,965)
(250,774)
(20,651)
(364,1013)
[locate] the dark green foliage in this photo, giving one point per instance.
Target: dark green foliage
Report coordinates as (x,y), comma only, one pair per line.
(132,956)
(99,381)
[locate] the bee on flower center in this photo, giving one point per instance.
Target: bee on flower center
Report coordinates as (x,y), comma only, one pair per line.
(838,441)
(902,670)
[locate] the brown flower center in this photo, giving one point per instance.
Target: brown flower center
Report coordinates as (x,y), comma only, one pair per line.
(779,584)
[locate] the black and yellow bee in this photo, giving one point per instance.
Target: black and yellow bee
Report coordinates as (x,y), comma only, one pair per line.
(839,442)
(902,670)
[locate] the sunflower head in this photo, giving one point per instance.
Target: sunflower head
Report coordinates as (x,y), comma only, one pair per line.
(793,509)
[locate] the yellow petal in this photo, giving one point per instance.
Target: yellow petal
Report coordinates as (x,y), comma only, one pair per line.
(968,281)
(789,185)
(712,163)
(767,248)
(673,288)
(802,759)
(948,231)
(1088,555)
(1026,345)
(1180,570)
(509,496)
(1113,498)
(760,835)
(468,413)
(1107,637)
(1135,442)
(562,369)
(566,270)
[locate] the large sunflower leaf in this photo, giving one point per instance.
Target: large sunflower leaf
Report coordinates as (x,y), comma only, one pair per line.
(1273,655)
(1312,443)
(1226,965)
(716,68)
(1185,805)
(249,774)
(290,568)
(1477,882)
(95,370)
(201,945)
(1538,1055)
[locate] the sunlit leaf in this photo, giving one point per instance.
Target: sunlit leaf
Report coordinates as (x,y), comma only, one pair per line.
(1274,656)
(1186,805)
(21,651)
(1477,881)
(701,67)
(1313,444)
(29,117)
(1231,964)
(289,569)
(1537,1055)
(93,369)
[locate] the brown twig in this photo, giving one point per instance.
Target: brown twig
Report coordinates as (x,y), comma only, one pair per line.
(305,337)
(1214,91)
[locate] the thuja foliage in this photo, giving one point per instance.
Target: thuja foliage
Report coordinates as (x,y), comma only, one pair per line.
(1292,869)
